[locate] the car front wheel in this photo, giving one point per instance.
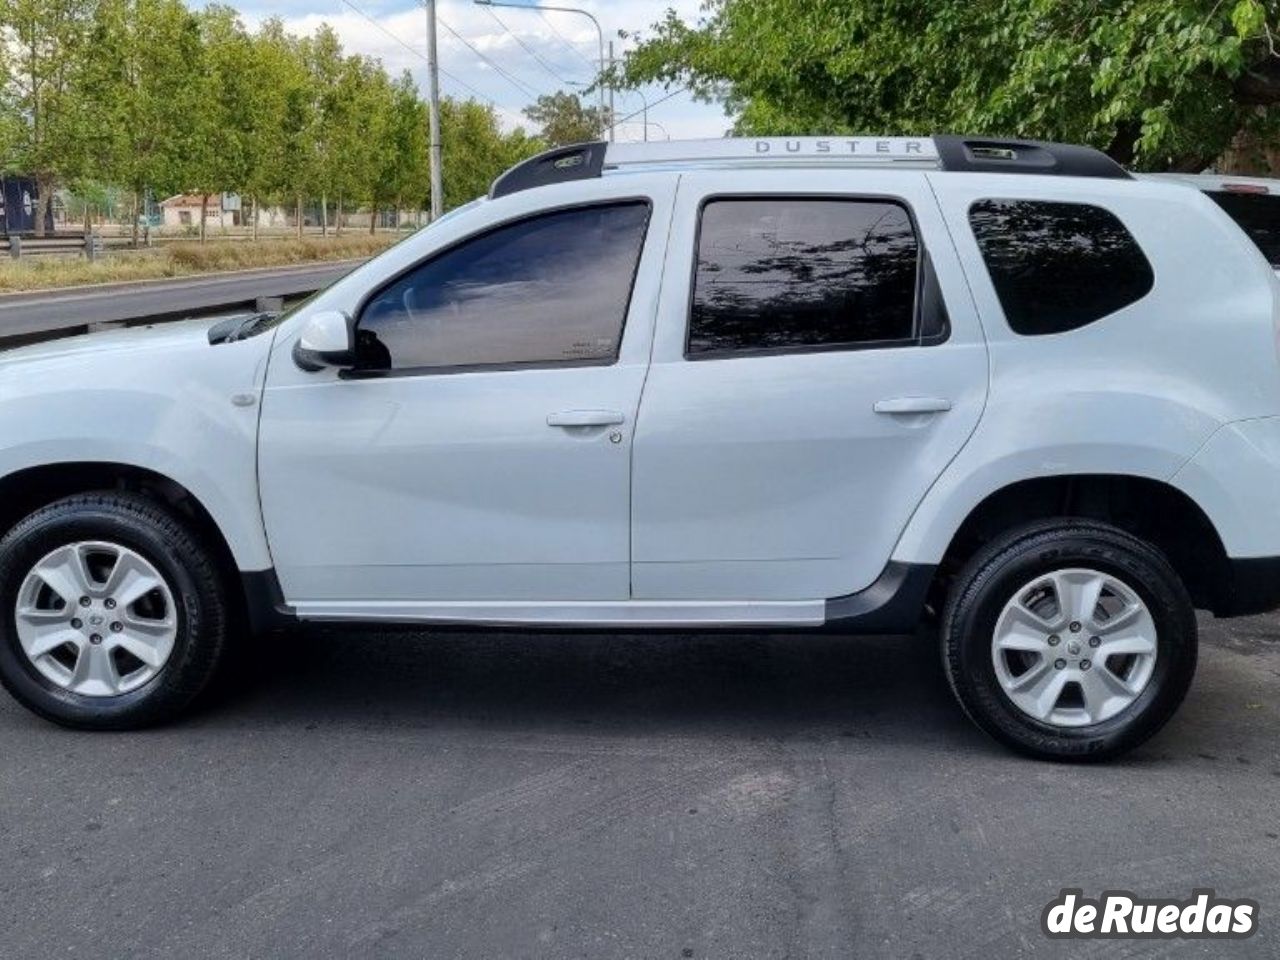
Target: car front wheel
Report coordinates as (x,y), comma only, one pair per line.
(1069,640)
(111,612)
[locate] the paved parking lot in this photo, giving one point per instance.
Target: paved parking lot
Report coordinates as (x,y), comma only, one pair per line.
(497,796)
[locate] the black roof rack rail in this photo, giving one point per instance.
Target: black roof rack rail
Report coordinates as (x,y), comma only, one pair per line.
(586,161)
(579,161)
(993,155)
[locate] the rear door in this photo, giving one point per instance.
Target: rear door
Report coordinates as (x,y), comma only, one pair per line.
(817,362)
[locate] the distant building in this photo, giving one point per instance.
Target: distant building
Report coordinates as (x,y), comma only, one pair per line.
(183,210)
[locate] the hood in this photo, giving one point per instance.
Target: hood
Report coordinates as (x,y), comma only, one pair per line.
(152,338)
(155,357)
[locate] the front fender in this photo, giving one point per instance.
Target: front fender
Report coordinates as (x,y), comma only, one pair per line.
(188,413)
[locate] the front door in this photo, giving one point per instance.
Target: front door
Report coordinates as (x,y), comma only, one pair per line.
(806,392)
(480,451)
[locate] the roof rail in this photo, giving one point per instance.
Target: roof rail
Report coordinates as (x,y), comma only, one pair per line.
(579,161)
(585,161)
(989,155)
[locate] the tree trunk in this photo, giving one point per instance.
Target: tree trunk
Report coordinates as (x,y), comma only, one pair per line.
(253,205)
(338,215)
(324,215)
(298,208)
(44,187)
(137,210)
(373,220)
(204,213)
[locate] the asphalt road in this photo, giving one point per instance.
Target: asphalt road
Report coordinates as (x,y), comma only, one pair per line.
(24,314)
(494,796)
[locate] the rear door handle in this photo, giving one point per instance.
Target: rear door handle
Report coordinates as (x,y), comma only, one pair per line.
(909,405)
(585,418)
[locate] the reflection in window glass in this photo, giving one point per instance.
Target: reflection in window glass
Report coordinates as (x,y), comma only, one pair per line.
(1058,266)
(1258,215)
(551,289)
(800,273)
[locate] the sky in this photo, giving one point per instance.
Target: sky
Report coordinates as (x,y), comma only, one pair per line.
(536,52)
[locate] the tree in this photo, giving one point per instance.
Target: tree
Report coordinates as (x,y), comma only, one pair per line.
(561,118)
(47,118)
(363,95)
(288,171)
(401,170)
(1160,83)
(475,150)
(144,87)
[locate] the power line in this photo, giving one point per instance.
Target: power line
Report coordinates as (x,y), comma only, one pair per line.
(422,56)
(567,42)
(515,81)
(632,116)
(527,49)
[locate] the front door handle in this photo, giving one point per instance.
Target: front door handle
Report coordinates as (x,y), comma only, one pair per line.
(910,405)
(585,418)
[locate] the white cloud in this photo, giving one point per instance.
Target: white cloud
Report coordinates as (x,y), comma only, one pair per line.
(566,46)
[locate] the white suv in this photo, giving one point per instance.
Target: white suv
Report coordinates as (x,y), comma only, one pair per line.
(783,384)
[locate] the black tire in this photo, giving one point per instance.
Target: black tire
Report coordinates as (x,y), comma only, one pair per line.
(161,537)
(992,577)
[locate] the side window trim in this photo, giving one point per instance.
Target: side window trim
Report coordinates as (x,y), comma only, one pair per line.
(368,297)
(926,277)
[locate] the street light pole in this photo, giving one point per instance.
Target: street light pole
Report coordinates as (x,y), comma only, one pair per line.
(556,9)
(611,113)
(645,118)
(433,114)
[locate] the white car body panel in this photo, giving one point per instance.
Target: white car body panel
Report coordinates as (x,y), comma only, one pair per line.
(771,476)
(159,398)
(577,613)
(1138,392)
(453,486)
(1244,513)
(740,491)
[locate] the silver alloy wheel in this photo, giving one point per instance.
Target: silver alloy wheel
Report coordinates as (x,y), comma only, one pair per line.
(1074,647)
(96,618)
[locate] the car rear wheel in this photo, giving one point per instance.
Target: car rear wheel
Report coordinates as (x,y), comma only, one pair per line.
(111,612)
(1069,640)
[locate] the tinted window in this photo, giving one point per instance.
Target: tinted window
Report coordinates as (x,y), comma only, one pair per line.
(1259,216)
(1058,266)
(549,289)
(797,273)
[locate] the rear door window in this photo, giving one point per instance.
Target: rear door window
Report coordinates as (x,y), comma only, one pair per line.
(790,274)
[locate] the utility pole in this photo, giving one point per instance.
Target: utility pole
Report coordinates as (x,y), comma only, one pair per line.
(611,113)
(433,114)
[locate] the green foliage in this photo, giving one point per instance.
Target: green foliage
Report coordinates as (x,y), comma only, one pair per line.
(151,95)
(47,116)
(475,149)
(561,118)
(1163,83)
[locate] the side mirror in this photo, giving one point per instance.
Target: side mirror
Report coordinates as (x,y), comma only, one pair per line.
(328,340)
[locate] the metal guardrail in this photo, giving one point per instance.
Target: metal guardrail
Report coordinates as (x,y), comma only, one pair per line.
(20,247)
(95,245)
(41,315)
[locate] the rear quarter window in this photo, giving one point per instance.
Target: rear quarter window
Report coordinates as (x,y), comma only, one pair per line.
(1058,266)
(1258,215)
